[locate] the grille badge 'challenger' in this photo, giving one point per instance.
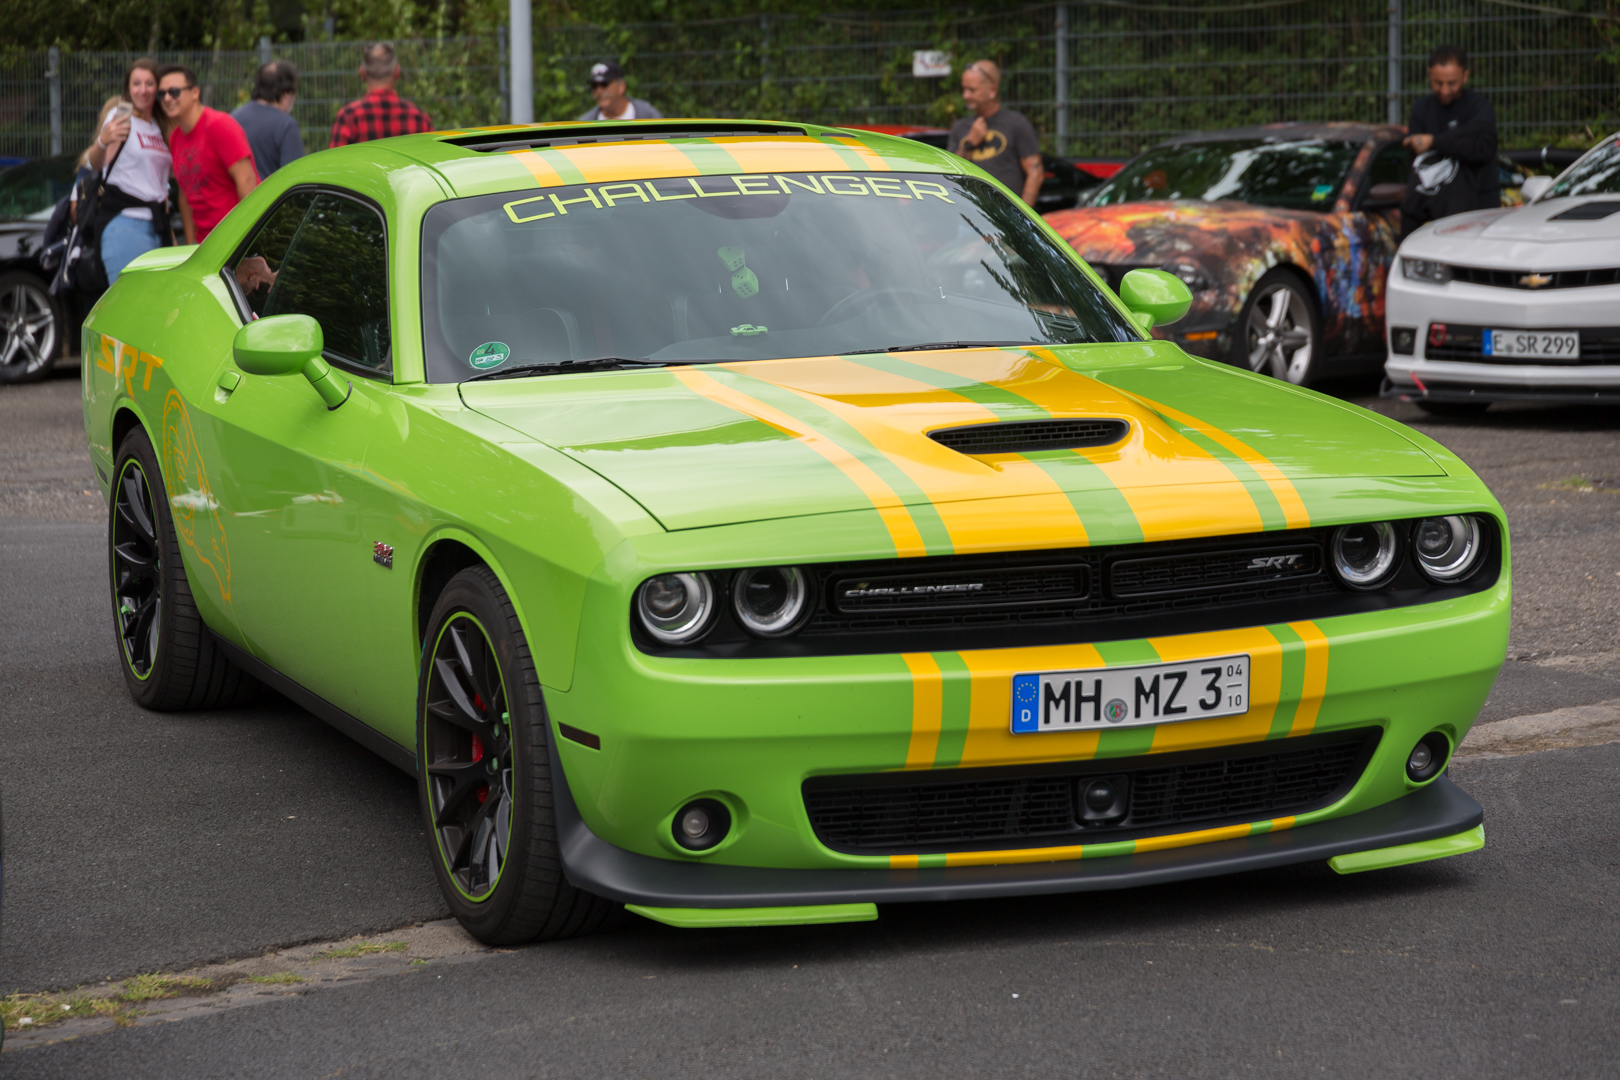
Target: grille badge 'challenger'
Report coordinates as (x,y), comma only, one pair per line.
(864,590)
(1535,281)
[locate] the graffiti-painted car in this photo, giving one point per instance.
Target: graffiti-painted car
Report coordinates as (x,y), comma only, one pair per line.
(1284,233)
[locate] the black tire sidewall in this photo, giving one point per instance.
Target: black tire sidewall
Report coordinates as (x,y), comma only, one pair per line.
(1240,338)
(501,917)
(13,373)
(153,691)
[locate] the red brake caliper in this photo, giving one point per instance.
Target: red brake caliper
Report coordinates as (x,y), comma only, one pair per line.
(478,755)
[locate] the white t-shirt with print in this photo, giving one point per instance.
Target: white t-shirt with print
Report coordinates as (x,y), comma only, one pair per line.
(142,167)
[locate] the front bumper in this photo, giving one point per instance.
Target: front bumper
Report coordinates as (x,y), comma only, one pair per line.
(1439,810)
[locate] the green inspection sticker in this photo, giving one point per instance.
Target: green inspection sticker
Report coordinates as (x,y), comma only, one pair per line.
(491,354)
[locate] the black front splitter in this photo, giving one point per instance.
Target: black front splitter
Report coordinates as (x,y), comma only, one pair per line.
(591,863)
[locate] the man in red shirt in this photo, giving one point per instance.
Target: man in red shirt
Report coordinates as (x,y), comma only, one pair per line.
(212,161)
(381,113)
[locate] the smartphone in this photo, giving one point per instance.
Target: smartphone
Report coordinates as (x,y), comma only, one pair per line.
(123,111)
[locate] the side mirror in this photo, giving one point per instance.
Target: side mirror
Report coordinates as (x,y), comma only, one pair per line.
(284,344)
(1155,297)
(1384,197)
(1534,187)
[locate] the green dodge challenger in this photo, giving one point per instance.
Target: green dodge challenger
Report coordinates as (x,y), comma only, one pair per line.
(752,523)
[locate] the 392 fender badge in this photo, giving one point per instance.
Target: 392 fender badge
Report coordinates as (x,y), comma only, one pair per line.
(383,555)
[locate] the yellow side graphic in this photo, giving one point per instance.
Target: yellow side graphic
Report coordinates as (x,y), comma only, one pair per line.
(927,709)
(1316,672)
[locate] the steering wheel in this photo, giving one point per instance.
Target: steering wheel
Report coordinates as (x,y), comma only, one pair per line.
(852,304)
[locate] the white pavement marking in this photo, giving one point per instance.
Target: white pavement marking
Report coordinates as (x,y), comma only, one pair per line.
(1578,725)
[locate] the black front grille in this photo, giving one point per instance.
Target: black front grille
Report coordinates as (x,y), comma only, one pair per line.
(1599,345)
(1190,574)
(1532,281)
(1031,436)
(960,590)
(979,809)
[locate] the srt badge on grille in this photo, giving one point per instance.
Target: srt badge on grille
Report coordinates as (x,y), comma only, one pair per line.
(1275,562)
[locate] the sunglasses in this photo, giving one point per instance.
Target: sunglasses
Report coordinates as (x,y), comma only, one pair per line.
(174,91)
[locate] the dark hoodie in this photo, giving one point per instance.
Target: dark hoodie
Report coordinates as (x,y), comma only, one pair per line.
(1458,173)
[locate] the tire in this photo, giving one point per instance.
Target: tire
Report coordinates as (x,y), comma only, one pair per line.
(170,658)
(1454,408)
(1279,333)
(485,765)
(31,322)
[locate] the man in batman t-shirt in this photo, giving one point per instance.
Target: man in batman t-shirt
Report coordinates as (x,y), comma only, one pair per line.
(1453,139)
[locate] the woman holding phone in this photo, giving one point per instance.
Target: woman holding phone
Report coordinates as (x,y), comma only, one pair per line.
(132,216)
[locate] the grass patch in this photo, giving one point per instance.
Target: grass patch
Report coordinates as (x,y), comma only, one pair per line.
(278,977)
(21,1012)
(1576,482)
(363,948)
(157,987)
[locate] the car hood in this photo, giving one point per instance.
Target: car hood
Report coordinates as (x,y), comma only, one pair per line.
(1154,233)
(1209,449)
(1540,236)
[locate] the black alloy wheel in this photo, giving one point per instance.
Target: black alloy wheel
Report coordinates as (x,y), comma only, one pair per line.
(484,773)
(29,321)
(170,658)
(1278,332)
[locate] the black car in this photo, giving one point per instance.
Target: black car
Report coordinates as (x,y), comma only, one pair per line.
(36,326)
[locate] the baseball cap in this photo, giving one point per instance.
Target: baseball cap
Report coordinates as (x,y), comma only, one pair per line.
(602,74)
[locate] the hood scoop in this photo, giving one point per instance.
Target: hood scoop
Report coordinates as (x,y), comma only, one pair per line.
(1028,436)
(1592,211)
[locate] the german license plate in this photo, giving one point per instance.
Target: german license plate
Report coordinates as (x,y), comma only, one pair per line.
(1538,344)
(1101,698)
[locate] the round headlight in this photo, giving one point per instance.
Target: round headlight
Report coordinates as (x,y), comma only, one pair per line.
(1364,555)
(771,601)
(1448,547)
(676,608)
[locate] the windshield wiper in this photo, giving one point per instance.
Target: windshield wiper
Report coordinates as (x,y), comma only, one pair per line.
(596,363)
(937,345)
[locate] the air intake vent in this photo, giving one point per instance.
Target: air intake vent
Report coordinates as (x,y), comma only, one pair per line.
(489,142)
(1028,436)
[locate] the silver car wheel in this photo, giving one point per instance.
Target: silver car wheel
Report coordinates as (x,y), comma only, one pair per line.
(29,322)
(1281,333)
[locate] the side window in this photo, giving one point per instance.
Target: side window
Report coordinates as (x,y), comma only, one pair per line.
(337,272)
(259,264)
(1390,166)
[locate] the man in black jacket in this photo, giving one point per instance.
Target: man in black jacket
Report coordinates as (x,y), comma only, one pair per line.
(1453,138)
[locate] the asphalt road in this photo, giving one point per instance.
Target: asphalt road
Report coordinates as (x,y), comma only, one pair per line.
(138,842)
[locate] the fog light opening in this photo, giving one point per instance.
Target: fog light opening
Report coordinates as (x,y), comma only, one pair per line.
(701,824)
(1428,757)
(1102,800)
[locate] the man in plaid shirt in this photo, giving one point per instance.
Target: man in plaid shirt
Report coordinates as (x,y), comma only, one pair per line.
(381,112)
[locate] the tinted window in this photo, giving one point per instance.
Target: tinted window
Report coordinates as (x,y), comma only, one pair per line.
(1302,174)
(1598,173)
(1390,166)
(688,270)
(258,266)
(336,271)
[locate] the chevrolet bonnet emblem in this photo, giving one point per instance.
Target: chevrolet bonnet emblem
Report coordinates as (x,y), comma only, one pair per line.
(1535,281)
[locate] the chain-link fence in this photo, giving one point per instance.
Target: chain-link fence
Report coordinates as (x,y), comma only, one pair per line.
(1096,77)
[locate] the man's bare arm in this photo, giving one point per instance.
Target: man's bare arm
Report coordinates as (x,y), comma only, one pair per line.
(1034,174)
(246,177)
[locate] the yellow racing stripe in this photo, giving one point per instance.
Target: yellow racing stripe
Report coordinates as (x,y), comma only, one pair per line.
(990,740)
(793,154)
(1265,688)
(927,709)
(539,168)
(896,518)
(1316,672)
(600,164)
(1293,507)
(1077,851)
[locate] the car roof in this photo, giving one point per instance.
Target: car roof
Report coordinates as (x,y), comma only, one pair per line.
(1347,131)
(512,157)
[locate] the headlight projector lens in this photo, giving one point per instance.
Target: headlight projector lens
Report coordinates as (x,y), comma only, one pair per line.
(676,608)
(701,824)
(772,601)
(1448,548)
(1364,555)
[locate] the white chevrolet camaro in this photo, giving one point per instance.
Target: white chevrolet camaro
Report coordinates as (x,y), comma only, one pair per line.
(1521,304)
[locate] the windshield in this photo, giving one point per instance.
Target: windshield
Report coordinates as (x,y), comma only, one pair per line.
(726,268)
(1303,174)
(32,190)
(1598,173)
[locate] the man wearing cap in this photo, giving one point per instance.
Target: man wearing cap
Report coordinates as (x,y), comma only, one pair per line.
(996,139)
(607,87)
